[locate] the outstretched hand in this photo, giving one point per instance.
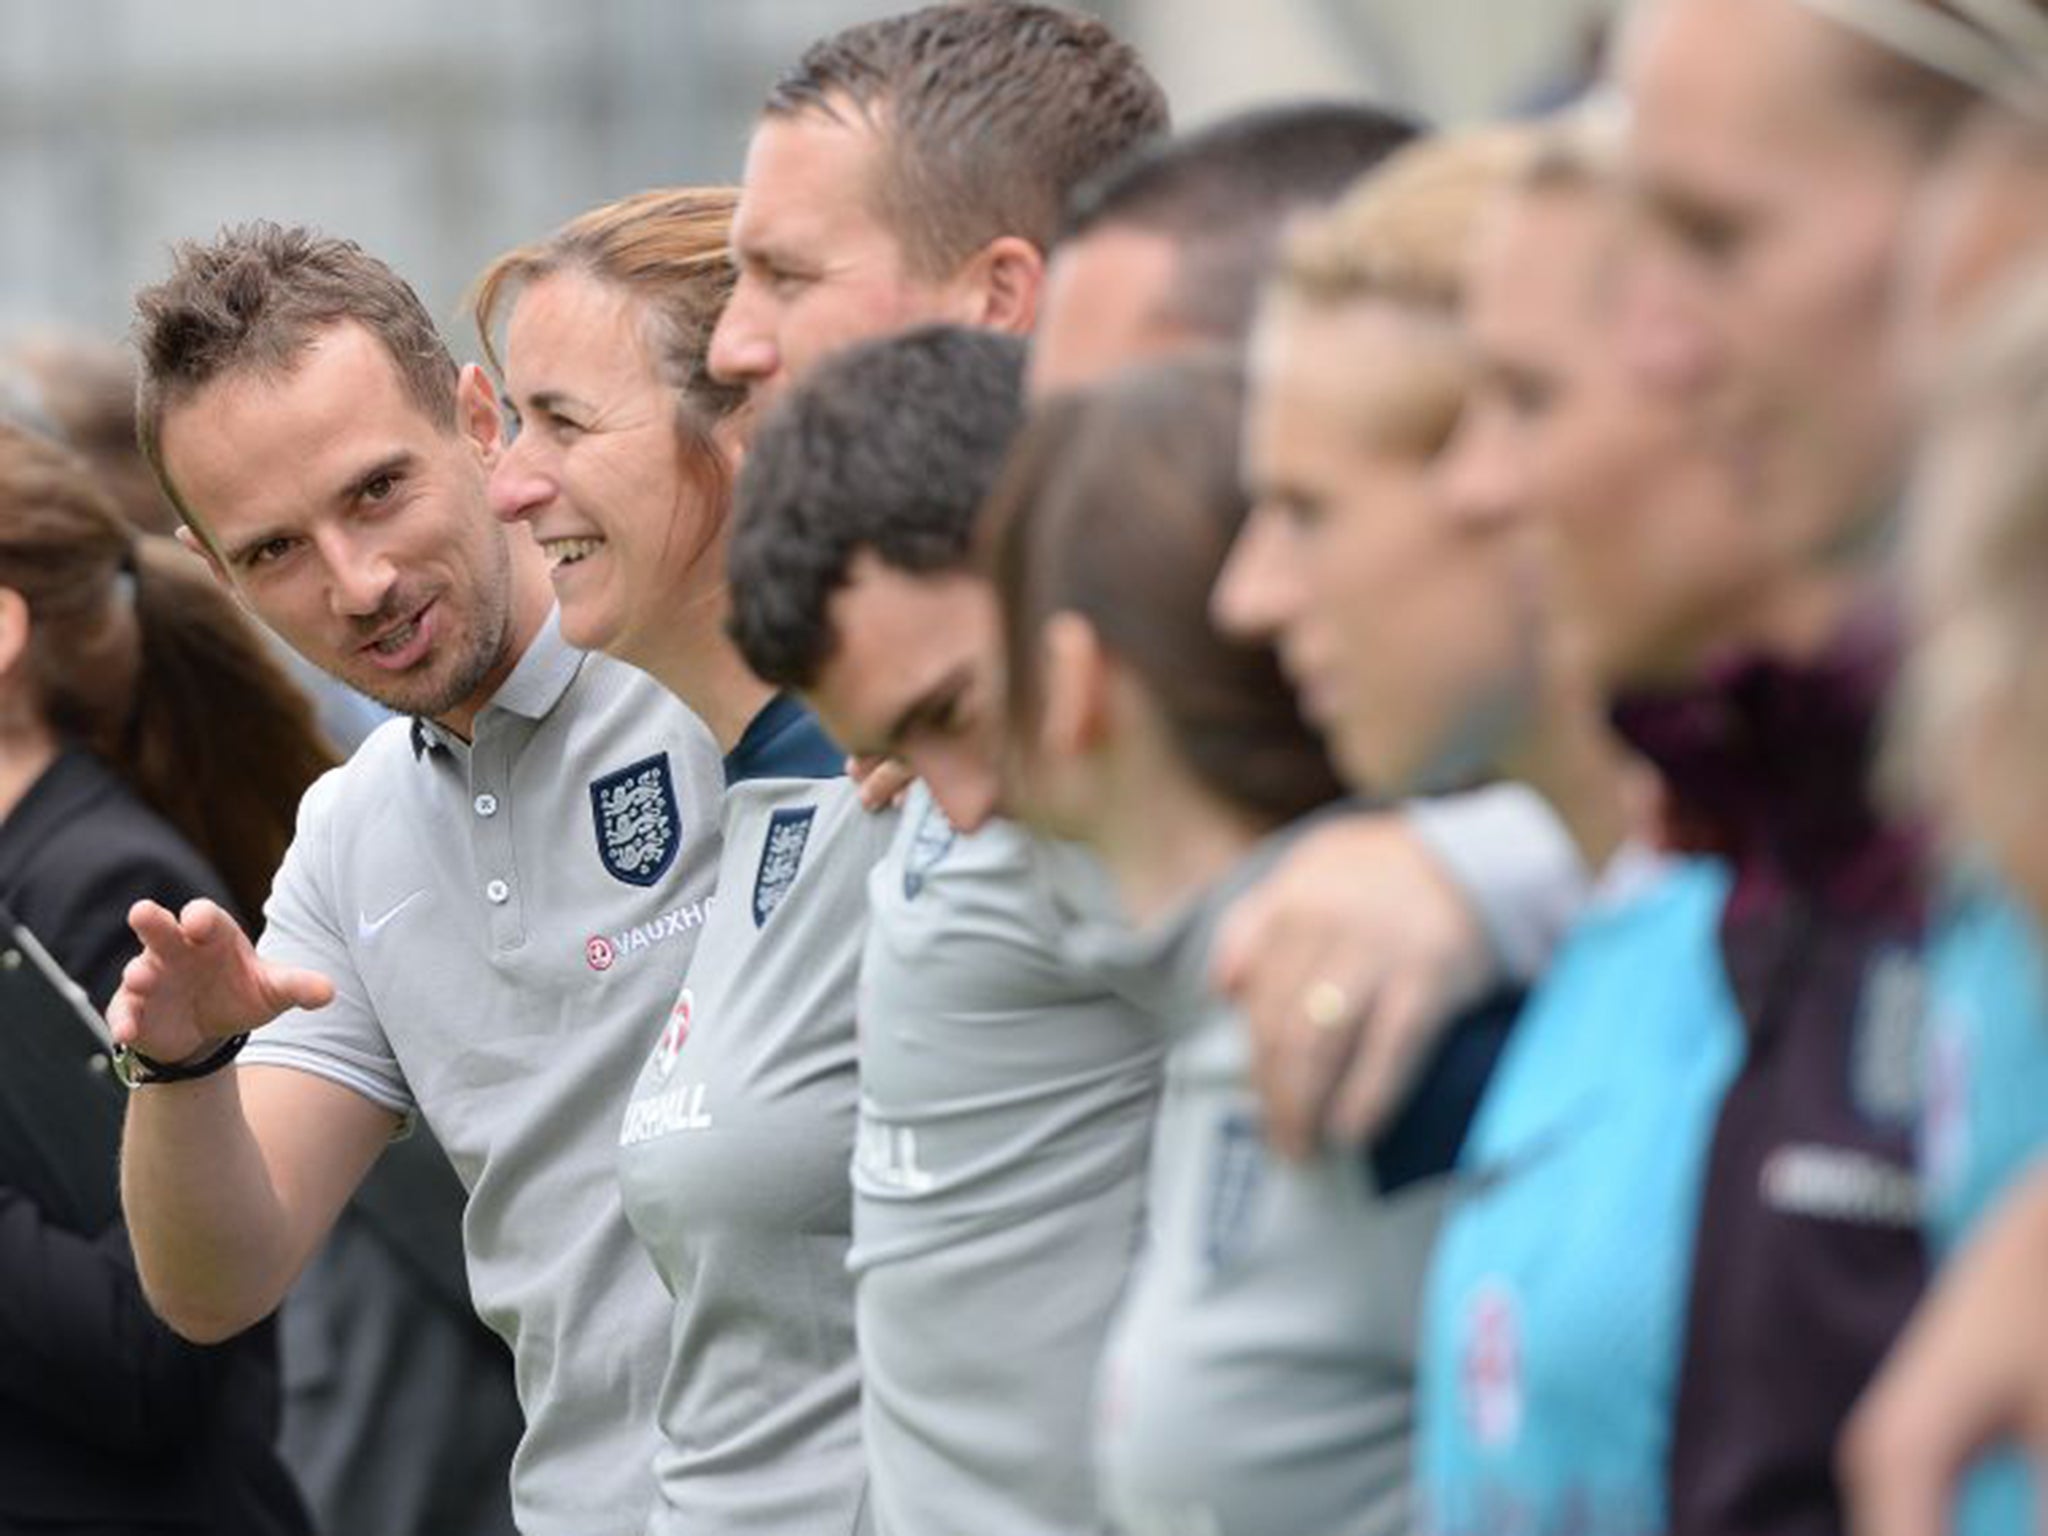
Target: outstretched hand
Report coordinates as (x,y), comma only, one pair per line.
(199,980)
(1347,961)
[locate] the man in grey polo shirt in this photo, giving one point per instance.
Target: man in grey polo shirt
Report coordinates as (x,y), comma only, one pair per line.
(481,908)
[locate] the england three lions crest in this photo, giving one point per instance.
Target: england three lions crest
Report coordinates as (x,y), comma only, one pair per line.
(782,854)
(638,828)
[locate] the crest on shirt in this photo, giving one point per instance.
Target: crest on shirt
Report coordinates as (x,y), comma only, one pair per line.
(1236,1172)
(782,854)
(1885,1055)
(929,844)
(1490,1370)
(675,1034)
(638,829)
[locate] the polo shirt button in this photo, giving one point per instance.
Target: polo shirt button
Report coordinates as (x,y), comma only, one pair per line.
(486,805)
(497,893)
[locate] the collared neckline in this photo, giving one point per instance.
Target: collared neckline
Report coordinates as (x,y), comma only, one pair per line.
(543,674)
(783,741)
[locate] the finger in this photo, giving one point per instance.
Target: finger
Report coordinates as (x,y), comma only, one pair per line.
(288,986)
(156,926)
(123,1022)
(1230,953)
(1390,1049)
(204,921)
(1284,1047)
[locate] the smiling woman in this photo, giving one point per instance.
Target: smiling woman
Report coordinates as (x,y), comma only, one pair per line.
(735,1140)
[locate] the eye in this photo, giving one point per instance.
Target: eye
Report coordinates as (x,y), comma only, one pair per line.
(380,487)
(509,415)
(269,552)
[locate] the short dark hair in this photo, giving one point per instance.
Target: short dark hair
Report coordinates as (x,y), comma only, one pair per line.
(1120,504)
(1222,194)
(888,447)
(252,301)
(991,113)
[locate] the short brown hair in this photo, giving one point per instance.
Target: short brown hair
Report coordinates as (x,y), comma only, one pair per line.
(671,249)
(991,113)
(252,301)
(1120,505)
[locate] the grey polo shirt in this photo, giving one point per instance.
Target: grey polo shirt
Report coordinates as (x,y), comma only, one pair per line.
(500,919)
(734,1148)
(1260,1377)
(1006,1106)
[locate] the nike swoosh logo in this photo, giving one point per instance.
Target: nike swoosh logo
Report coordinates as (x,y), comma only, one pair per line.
(368,927)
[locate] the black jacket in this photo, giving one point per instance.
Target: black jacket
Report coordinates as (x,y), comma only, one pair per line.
(108,1421)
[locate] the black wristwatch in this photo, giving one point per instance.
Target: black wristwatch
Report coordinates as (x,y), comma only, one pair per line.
(139,1071)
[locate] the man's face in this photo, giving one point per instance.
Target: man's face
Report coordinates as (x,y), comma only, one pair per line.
(818,270)
(1650,554)
(1403,625)
(1107,306)
(357,528)
(915,676)
(1776,201)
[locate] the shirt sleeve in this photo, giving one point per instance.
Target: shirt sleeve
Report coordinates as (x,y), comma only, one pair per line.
(1506,849)
(305,924)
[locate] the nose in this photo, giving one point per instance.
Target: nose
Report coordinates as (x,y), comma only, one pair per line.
(965,787)
(360,577)
(743,347)
(1259,591)
(517,487)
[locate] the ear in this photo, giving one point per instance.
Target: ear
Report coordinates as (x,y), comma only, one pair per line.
(476,412)
(1004,280)
(203,551)
(15,627)
(1077,674)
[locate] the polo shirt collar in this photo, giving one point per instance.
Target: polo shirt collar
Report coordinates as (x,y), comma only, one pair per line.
(537,683)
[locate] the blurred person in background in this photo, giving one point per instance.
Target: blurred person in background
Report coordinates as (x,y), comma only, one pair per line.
(481,909)
(1269,1293)
(1778,148)
(1402,588)
(1968,318)
(1971,1375)
(149,749)
(1557,1301)
(1164,253)
(736,1137)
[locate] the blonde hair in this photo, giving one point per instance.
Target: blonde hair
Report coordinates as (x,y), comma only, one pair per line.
(1973,705)
(1401,234)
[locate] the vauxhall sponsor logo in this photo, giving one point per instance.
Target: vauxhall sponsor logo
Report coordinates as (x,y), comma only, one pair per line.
(604,950)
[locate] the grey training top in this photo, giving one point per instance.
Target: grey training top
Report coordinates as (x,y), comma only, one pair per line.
(734,1149)
(1260,1377)
(500,918)
(1006,1107)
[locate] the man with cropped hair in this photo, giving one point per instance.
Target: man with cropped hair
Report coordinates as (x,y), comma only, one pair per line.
(913,169)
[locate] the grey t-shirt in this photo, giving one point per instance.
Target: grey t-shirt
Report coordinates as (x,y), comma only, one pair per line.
(734,1149)
(1259,1380)
(1006,1106)
(500,918)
